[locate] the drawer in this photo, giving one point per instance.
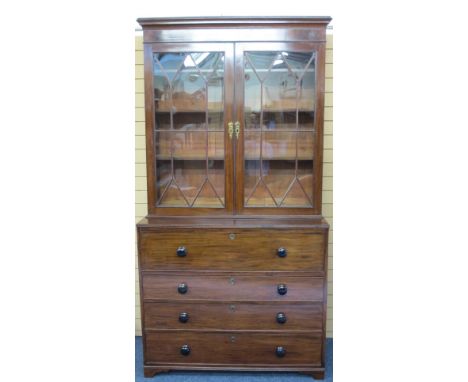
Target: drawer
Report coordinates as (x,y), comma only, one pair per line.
(240,249)
(231,287)
(233,316)
(165,347)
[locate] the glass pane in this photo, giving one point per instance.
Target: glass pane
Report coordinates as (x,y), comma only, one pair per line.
(189,129)
(163,175)
(216,120)
(279,92)
(279,119)
(216,178)
(251,145)
(279,96)
(296,196)
(279,145)
(188,88)
(256,193)
(163,120)
(162,87)
(189,121)
(305,176)
(163,144)
(306,120)
(306,99)
(279,177)
(215,88)
(251,176)
(189,176)
(169,63)
(260,62)
(216,145)
(207,197)
(252,98)
(305,145)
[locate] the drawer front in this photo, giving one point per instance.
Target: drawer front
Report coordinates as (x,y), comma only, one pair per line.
(232,316)
(233,348)
(232,288)
(241,250)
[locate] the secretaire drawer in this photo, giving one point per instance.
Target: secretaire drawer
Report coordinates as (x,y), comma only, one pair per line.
(265,287)
(239,249)
(233,348)
(233,316)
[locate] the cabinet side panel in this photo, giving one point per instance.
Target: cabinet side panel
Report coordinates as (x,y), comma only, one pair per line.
(320,91)
(149,116)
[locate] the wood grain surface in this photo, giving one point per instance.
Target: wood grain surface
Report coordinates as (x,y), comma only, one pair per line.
(233,250)
(233,348)
(231,288)
(233,316)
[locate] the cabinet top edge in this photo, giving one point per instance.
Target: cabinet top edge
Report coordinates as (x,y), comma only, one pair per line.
(148,22)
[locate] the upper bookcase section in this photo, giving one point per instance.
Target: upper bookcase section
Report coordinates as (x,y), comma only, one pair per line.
(199,29)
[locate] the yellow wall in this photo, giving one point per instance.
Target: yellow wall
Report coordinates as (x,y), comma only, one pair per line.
(140,167)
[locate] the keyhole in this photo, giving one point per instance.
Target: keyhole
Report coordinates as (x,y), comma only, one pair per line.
(232,280)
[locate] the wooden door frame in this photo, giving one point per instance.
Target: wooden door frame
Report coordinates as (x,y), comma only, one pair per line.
(240,48)
(228,49)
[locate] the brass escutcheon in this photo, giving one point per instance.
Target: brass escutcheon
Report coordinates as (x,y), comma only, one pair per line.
(237,129)
(230,129)
(232,236)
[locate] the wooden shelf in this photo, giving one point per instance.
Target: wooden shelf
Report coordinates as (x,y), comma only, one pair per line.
(221,158)
(285,158)
(280,70)
(190,156)
(253,202)
(167,109)
(279,130)
(268,202)
(278,110)
(191,111)
(189,144)
(188,130)
(187,106)
(276,144)
(200,202)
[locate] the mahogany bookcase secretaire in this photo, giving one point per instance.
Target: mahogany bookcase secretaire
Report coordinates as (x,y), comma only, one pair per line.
(233,252)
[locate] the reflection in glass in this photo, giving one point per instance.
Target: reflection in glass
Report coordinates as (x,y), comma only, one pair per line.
(279,105)
(189,134)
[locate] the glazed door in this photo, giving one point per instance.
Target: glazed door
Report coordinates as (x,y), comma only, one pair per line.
(279,105)
(189,97)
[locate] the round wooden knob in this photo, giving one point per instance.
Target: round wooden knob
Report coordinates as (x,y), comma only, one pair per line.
(182,288)
(280,351)
(282,289)
(185,350)
(280,318)
(282,252)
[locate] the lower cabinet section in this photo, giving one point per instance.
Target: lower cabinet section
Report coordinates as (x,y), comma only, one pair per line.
(234,299)
(234,348)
